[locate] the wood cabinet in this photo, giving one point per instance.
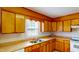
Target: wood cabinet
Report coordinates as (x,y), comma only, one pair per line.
(11,22)
(8,19)
(62,44)
(67,45)
(43,48)
(54,26)
(75,22)
(67,26)
(59,45)
(28,49)
(20,23)
(59,26)
(0,21)
(41,26)
(45,26)
(47,46)
(36,48)
(50,26)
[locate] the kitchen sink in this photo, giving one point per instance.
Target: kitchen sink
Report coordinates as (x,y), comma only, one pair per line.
(37,41)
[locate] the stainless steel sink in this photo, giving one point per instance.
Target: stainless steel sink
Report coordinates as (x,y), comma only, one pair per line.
(37,41)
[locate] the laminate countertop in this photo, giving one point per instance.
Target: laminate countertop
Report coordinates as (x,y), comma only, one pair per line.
(19,44)
(22,43)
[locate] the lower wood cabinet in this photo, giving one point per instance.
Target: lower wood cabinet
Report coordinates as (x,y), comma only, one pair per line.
(28,49)
(58,44)
(36,48)
(67,45)
(47,46)
(62,45)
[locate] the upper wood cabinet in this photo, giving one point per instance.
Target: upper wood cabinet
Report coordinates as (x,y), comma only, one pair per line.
(20,23)
(50,26)
(11,22)
(41,27)
(67,26)
(75,22)
(0,22)
(54,26)
(60,26)
(45,26)
(7,22)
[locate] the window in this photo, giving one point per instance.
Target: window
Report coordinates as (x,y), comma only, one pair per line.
(32,27)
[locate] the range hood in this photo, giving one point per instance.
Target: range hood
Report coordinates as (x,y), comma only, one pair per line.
(74,26)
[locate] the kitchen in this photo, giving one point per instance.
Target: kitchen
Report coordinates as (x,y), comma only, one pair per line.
(39,29)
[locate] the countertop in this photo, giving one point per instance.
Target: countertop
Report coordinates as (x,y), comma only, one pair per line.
(20,44)
(17,45)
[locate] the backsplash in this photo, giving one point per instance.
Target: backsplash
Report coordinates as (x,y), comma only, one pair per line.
(18,36)
(67,34)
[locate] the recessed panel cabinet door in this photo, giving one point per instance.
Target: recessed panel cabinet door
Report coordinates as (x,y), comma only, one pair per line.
(67,45)
(75,22)
(59,26)
(20,23)
(46,25)
(8,22)
(53,26)
(28,49)
(67,26)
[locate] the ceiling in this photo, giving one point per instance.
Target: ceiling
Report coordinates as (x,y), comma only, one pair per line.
(55,11)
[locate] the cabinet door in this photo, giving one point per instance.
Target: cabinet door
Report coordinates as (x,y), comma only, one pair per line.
(75,22)
(28,49)
(67,26)
(50,26)
(20,23)
(54,26)
(59,26)
(60,45)
(41,26)
(53,44)
(45,26)
(36,50)
(8,20)
(0,21)
(67,45)
(48,47)
(43,48)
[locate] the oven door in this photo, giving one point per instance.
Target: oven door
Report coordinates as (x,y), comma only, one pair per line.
(74,45)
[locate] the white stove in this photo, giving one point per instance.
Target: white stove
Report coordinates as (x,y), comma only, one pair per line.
(74,44)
